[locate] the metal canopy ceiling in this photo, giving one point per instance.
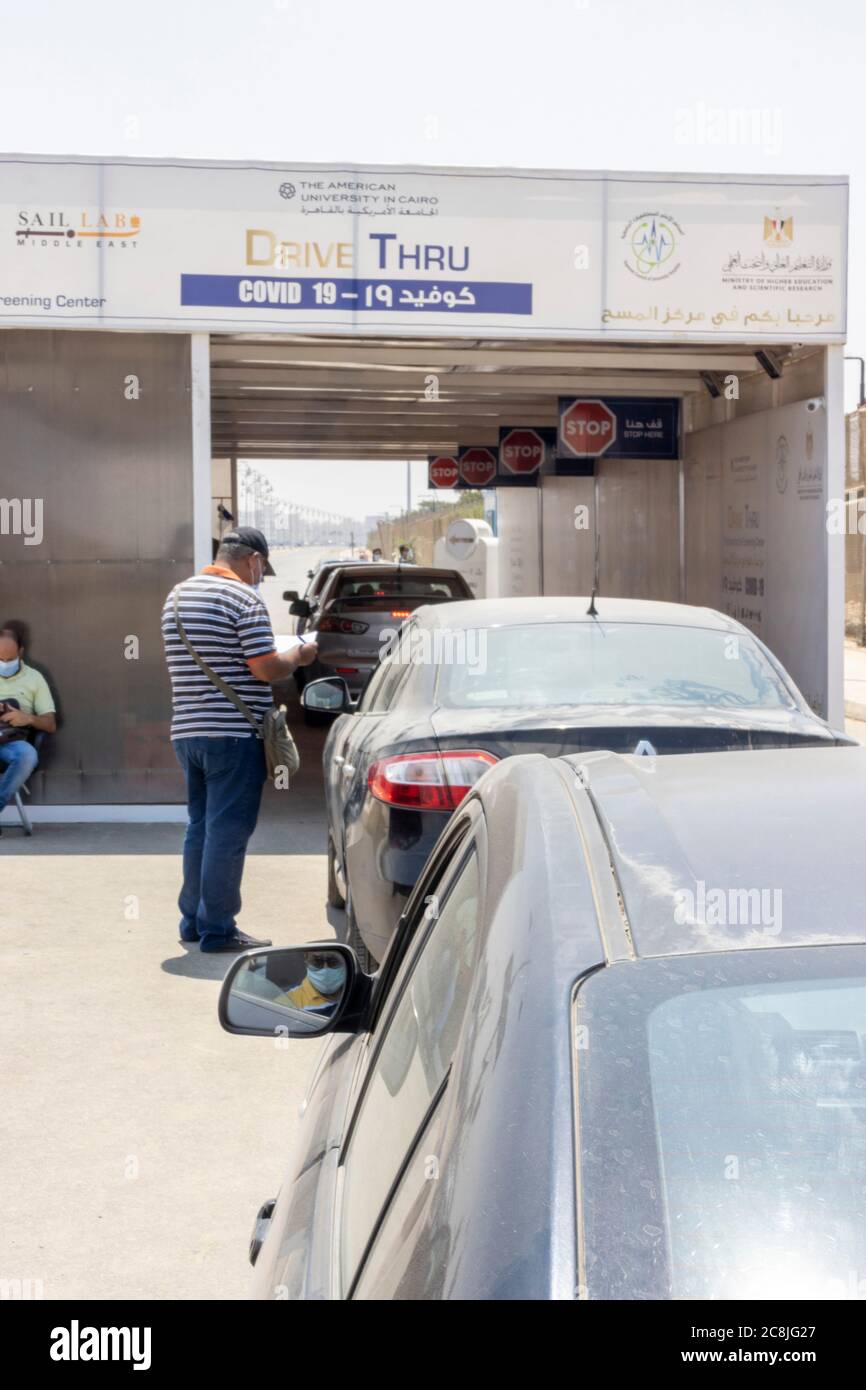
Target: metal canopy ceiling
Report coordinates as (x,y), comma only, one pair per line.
(337,397)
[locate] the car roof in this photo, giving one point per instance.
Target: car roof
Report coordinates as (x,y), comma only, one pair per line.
(490,612)
(783,823)
(367,567)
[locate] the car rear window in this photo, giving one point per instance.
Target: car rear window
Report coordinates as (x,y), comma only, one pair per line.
(613,664)
(405,585)
(722,1125)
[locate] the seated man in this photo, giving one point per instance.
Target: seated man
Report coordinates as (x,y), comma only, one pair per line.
(25,704)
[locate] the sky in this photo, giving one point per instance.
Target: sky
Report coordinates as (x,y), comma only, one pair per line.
(572,84)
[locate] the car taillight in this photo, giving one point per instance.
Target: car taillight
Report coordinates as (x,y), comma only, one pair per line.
(401,613)
(341,625)
(428,781)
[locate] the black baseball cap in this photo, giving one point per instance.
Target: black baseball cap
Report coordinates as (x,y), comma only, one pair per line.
(249,535)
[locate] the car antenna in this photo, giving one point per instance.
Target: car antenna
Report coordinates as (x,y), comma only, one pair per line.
(592,611)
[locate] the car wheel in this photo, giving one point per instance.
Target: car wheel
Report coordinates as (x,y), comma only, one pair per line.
(335,897)
(356,941)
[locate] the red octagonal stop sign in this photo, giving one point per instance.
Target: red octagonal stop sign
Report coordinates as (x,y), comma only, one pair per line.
(443,471)
(587,428)
(477,466)
(521,451)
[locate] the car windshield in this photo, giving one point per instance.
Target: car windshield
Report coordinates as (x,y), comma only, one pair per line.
(610,664)
(722,1120)
(398,584)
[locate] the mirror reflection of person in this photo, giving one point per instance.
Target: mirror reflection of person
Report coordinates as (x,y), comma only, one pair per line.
(322,986)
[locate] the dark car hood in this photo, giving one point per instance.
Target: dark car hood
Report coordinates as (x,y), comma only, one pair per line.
(670,729)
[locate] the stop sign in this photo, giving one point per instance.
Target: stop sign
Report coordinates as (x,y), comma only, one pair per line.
(477,467)
(587,428)
(522,451)
(443,472)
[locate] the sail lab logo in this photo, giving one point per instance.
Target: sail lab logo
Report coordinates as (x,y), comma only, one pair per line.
(99,227)
(76,1343)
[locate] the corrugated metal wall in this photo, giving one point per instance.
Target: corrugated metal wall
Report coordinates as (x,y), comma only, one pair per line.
(114,476)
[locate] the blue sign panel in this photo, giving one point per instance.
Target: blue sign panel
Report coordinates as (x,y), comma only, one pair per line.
(341,292)
(645,428)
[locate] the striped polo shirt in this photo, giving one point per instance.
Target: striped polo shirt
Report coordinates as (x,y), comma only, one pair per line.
(227,624)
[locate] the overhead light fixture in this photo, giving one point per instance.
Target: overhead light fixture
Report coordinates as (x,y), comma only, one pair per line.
(770,363)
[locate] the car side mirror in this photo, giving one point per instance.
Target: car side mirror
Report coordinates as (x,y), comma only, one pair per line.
(294,992)
(300,608)
(290,595)
(329,695)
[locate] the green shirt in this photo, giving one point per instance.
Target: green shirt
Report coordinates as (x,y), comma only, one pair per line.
(30,689)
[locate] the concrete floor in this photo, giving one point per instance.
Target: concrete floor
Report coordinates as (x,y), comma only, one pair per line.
(138,1139)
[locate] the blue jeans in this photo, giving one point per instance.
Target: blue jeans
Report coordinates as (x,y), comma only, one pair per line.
(19,759)
(224,781)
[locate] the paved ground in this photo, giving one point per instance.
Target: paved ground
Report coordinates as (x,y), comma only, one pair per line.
(139,1139)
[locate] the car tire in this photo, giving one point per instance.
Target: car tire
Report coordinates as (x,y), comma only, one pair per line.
(335,897)
(356,941)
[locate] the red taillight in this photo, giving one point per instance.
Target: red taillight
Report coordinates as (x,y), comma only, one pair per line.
(428,781)
(340,625)
(401,613)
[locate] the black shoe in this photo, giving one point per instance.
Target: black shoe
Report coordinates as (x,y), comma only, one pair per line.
(238,941)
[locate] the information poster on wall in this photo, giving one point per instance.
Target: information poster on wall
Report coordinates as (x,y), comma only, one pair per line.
(744,522)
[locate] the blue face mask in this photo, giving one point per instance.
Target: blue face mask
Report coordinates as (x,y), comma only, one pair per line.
(10,668)
(329,980)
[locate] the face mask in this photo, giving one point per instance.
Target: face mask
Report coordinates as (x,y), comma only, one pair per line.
(10,668)
(328,980)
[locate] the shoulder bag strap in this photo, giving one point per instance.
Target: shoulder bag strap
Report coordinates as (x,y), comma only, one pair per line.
(212,675)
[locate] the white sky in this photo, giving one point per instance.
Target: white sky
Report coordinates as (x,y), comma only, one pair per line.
(582,84)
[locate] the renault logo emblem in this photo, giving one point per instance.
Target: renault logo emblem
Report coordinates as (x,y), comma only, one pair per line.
(644,749)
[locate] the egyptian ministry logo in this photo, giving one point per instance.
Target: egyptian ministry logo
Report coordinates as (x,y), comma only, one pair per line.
(652,240)
(778,231)
(287,190)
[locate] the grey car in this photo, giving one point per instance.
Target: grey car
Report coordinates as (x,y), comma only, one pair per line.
(472,683)
(616,1051)
(359,610)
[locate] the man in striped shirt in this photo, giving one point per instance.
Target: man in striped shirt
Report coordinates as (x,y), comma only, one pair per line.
(228,625)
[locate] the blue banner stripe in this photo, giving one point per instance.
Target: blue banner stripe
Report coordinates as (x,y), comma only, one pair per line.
(259,292)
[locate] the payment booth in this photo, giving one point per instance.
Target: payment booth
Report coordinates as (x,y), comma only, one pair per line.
(647,369)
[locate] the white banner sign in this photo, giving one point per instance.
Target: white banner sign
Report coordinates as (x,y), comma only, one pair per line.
(145,244)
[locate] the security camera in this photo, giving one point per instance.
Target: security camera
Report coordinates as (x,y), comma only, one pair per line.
(815,403)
